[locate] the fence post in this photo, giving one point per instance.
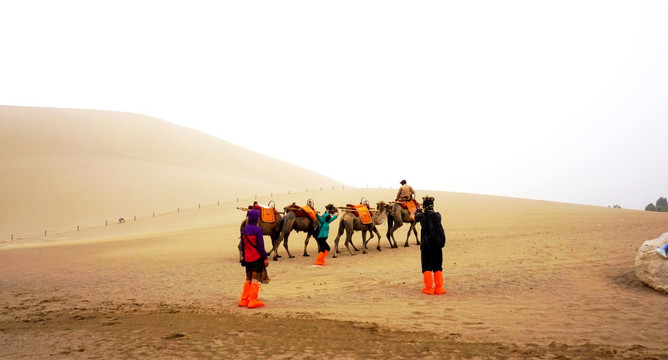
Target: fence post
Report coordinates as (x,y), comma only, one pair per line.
(44,233)
(12,237)
(178,210)
(135,217)
(77,227)
(106,222)
(199,206)
(153,214)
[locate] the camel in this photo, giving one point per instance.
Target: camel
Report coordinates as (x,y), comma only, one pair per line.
(350,223)
(397,217)
(297,223)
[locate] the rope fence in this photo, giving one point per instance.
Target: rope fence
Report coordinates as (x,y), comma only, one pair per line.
(50,233)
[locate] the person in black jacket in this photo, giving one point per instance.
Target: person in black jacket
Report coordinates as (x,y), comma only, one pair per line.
(432,238)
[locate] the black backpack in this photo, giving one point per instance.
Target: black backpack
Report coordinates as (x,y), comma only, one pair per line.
(432,229)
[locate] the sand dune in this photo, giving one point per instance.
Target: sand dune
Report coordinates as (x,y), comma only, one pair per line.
(63,167)
(525,279)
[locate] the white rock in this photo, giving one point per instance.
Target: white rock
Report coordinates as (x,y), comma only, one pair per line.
(652,268)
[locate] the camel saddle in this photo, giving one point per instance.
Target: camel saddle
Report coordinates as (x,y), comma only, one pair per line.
(409,204)
(267,213)
(304,211)
(362,211)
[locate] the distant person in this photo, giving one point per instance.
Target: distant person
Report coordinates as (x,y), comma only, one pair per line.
(322,235)
(432,241)
(254,258)
(255,206)
(405,192)
(663,250)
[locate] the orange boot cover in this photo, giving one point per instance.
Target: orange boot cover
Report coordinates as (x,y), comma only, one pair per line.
(244,294)
(438,280)
(428,283)
(253,302)
(324,256)
(321,259)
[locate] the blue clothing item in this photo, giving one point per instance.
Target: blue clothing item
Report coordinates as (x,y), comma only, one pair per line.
(324,225)
(665,247)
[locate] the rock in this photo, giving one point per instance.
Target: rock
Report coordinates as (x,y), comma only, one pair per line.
(652,268)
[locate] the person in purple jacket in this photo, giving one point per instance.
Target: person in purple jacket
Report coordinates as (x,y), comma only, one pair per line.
(254,258)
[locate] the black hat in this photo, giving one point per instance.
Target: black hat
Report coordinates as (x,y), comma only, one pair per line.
(402,182)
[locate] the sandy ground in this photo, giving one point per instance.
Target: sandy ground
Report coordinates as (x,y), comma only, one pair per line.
(524,279)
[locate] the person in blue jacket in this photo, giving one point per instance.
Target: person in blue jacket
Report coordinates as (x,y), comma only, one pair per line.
(322,235)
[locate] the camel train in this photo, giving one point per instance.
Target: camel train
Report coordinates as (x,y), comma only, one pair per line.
(354,218)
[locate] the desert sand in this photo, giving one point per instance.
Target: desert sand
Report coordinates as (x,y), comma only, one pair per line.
(524,279)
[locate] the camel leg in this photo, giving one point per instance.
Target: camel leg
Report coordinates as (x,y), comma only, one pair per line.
(349,240)
(336,241)
(389,234)
(407,236)
(306,244)
(274,248)
(390,237)
(285,245)
(364,241)
(371,230)
(379,238)
(417,239)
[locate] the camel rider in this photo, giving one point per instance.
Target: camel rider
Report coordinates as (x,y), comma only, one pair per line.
(254,259)
(432,238)
(405,192)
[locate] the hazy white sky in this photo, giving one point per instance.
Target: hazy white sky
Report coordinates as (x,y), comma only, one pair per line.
(554,100)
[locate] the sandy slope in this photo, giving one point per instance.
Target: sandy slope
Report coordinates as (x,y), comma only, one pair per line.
(63,167)
(524,279)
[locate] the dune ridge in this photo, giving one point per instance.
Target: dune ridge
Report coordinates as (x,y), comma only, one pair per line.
(68,167)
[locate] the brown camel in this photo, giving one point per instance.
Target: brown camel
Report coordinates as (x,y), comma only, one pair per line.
(297,223)
(397,217)
(351,223)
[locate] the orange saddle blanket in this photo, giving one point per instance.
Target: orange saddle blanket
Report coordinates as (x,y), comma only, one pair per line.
(268,214)
(411,205)
(305,211)
(363,213)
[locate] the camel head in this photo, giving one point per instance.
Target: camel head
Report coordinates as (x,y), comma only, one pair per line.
(380,215)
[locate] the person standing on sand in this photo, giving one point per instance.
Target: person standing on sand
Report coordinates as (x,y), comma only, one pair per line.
(405,192)
(322,235)
(432,238)
(254,258)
